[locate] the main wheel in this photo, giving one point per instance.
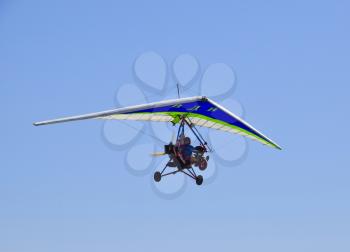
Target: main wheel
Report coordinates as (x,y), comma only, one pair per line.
(199,180)
(157,176)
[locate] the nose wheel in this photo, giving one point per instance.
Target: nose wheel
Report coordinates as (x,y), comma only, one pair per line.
(202,164)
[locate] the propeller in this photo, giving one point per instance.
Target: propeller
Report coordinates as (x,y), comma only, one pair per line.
(161,153)
(158,154)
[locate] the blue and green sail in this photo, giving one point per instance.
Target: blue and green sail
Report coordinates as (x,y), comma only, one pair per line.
(207,110)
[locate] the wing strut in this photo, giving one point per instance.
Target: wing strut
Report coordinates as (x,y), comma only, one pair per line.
(197,133)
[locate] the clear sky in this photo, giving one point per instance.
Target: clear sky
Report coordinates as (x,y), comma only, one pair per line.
(61,189)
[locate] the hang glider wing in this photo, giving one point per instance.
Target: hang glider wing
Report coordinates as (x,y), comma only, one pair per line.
(200,110)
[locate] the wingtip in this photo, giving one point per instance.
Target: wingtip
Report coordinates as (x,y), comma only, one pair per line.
(37,124)
(278,147)
(274,145)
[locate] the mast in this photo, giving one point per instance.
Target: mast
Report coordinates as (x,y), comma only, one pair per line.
(178,90)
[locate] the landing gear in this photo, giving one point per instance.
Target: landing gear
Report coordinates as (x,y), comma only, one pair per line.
(189,171)
(157,176)
(199,179)
(176,161)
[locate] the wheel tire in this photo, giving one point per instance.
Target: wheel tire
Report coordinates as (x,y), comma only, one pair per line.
(199,180)
(203,164)
(157,176)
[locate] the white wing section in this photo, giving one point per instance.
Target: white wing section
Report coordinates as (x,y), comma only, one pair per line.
(119,113)
(140,117)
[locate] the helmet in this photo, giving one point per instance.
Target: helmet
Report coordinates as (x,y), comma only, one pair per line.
(187,140)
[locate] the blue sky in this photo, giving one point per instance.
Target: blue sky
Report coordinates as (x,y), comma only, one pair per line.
(61,189)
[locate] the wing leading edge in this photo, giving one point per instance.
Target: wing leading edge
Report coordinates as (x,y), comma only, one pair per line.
(200,110)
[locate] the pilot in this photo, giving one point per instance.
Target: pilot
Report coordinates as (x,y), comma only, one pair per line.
(186,150)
